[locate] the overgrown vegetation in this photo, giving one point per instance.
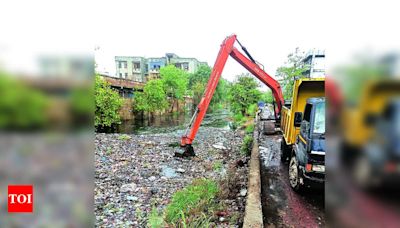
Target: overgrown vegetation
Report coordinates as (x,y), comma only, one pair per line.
(247,144)
(292,69)
(153,97)
(124,137)
(244,93)
(156,219)
(243,97)
(197,196)
(217,166)
(249,129)
(165,93)
(174,81)
(21,107)
(197,84)
(352,77)
(107,103)
(190,207)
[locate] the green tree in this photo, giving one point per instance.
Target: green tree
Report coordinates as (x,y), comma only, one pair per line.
(21,107)
(153,97)
(352,77)
(292,69)
(197,84)
(201,75)
(175,82)
(243,93)
(268,97)
(221,92)
(107,103)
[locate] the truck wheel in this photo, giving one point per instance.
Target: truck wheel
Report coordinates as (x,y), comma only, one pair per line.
(294,175)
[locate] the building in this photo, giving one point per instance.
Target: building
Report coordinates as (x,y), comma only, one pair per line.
(66,67)
(188,64)
(316,60)
(141,69)
(131,67)
(154,65)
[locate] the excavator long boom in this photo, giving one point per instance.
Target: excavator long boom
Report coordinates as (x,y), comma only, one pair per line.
(227,49)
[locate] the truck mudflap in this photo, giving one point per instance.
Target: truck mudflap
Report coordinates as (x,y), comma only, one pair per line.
(311,177)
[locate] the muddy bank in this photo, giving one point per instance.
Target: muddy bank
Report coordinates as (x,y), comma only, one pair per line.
(137,172)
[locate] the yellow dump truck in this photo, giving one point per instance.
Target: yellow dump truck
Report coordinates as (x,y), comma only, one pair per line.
(303,129)
(371,134)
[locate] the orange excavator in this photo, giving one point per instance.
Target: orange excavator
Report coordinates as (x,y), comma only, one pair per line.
(228,49)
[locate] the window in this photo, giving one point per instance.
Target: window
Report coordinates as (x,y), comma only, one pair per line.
(122,64)
(307,112)
(126,75)
(120,75)
(319,122)
(156,67)
(136,65)
(185,66)
(178,65)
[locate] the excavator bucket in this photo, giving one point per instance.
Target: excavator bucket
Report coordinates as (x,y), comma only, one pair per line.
(268,127)
(187,152)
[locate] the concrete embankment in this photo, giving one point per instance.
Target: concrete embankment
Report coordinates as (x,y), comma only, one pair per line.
(253,212)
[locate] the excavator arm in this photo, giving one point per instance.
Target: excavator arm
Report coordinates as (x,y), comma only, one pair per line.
(227,49)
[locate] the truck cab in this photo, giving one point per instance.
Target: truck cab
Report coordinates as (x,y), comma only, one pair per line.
(307,160)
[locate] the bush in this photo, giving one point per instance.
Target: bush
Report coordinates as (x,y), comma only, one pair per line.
(107,102)
(247,145)
(153,97)
(155,219)
(251,110)
(217,166)
(250,129)
(124,137)
(197,196)
(238,117)
(21,107)
(243,93)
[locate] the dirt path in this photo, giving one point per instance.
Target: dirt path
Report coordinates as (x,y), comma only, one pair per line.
(282,207)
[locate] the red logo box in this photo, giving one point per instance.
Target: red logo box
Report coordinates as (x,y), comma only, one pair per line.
(20,198)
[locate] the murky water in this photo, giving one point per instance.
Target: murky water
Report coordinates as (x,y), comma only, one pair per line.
(170,122)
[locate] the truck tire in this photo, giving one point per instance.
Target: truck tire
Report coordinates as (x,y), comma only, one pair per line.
(285,151)
(294,175)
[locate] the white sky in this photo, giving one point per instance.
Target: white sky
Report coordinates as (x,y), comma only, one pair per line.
(269,29)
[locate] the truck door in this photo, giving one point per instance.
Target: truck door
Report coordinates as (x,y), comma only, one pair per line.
(304,136)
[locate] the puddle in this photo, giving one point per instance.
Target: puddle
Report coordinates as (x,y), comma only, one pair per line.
(168,122)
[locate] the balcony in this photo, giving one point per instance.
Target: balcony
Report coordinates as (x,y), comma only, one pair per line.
(136,70)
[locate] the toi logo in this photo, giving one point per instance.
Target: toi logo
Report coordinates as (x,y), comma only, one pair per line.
(20,198)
